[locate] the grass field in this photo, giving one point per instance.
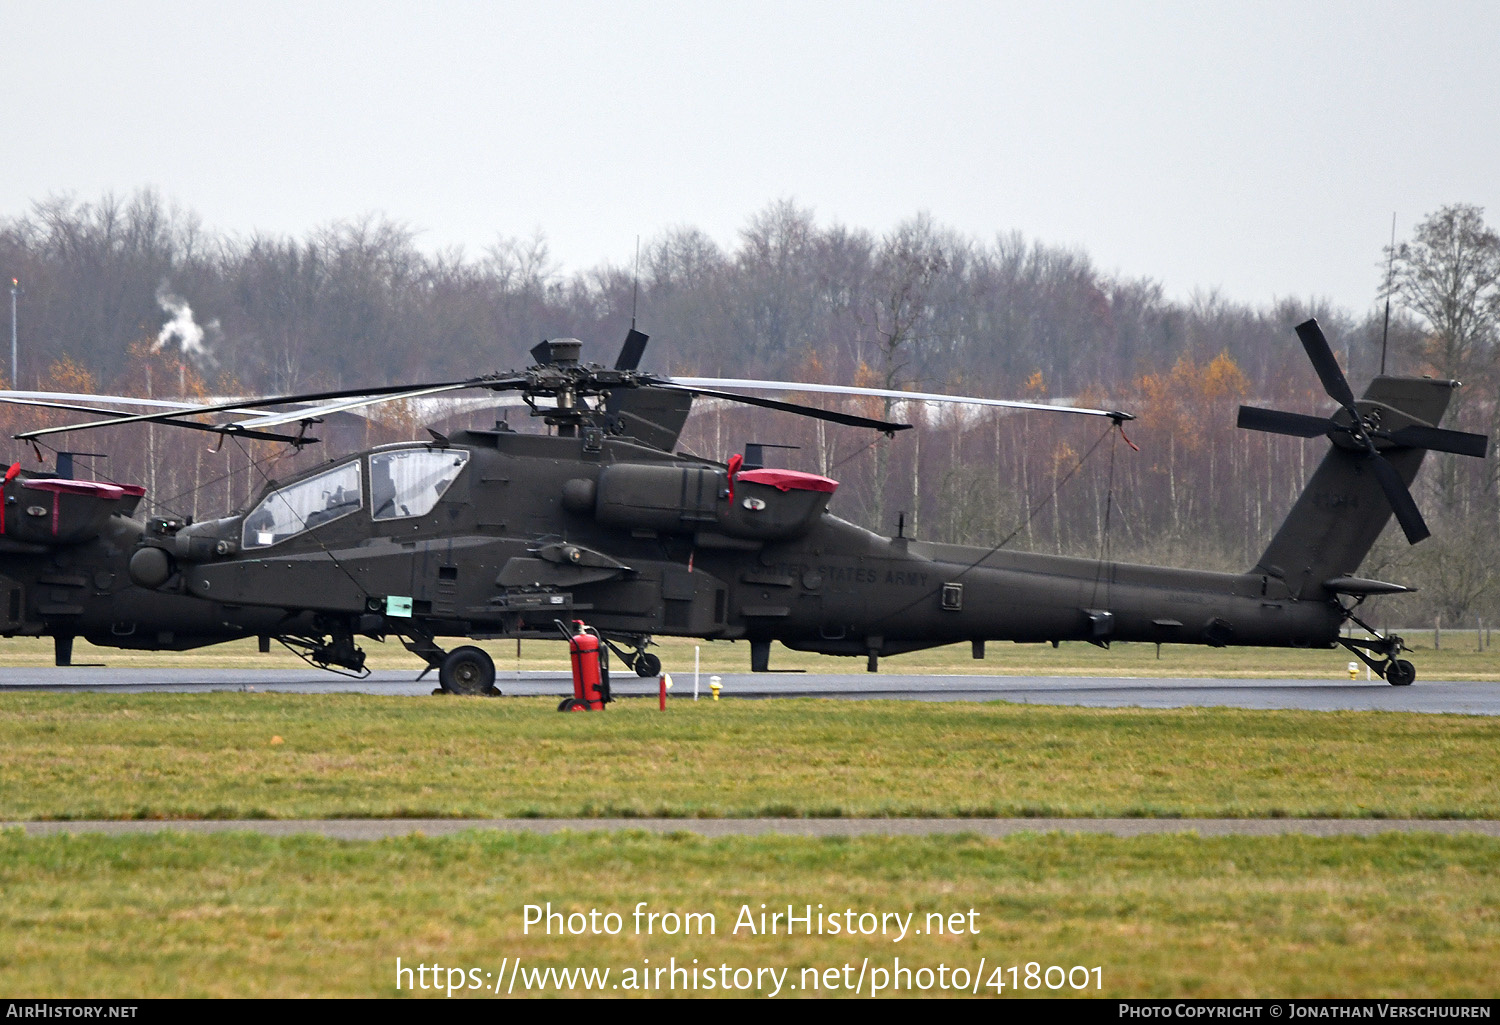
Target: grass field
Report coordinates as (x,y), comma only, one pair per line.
(1165,916)
(234,755)
(1459,658)
(168,914)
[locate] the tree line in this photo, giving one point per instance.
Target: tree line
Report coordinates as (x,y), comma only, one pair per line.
(134,295)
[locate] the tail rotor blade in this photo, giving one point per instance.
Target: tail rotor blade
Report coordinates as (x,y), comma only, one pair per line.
(1329,372)
(1404,506)
(1439,440)
(1274,421)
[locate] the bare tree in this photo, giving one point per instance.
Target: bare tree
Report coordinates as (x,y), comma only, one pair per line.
(911,262)
(1449,275)
(774,301)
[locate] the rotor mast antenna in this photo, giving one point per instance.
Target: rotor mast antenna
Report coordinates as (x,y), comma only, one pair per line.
(635,282)
(1390,271)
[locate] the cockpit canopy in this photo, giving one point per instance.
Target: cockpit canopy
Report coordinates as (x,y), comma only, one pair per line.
(403,483)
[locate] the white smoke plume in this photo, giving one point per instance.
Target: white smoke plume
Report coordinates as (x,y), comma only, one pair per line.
(182,328)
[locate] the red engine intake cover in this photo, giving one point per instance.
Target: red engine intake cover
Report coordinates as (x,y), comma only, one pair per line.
(789,480)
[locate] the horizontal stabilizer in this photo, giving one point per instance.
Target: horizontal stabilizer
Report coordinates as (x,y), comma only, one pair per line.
(1359,587)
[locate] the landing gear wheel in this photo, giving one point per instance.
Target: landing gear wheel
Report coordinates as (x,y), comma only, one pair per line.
(468,670)
(1400,673)
(647,665)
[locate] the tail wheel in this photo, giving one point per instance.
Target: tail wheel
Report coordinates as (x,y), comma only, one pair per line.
(1400,673)
(647,665)
(468,670)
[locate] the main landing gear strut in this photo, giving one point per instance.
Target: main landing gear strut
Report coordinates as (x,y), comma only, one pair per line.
(465,670)
(1379,652)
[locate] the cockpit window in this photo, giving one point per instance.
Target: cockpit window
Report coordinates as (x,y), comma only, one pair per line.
(409,482)
(289,511)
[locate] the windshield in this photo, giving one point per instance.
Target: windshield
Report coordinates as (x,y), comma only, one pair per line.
(291,510)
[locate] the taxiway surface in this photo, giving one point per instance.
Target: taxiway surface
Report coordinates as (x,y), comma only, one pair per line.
(1104,692)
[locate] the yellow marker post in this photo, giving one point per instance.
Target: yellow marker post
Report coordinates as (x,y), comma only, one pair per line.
(715,684)
(1353,670)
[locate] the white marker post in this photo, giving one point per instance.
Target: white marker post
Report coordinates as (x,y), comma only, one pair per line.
(696,650)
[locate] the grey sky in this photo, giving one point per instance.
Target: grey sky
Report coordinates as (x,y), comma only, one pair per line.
(1256,148)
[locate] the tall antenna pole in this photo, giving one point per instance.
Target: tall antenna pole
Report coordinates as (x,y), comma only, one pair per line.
(635,287)
(1390,269)
(15,290)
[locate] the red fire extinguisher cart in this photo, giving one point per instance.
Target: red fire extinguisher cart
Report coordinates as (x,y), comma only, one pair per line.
(590,682)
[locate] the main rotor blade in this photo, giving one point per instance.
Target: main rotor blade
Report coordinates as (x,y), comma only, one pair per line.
(314,412)
(847,419)
(260,403)
(1329,372)
(1439,439)
(632,350)
(910,396)
(1397,493)
(1275,421)
(74,407)
(194,425)
(24,398)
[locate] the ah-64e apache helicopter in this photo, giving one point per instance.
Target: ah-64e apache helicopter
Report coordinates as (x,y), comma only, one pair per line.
(496,533)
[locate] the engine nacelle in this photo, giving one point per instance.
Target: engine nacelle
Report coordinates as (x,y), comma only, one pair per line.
(55,511)
(763,504)
(774,504)
(660,496)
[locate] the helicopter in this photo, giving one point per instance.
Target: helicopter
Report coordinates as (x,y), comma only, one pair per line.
(495,533)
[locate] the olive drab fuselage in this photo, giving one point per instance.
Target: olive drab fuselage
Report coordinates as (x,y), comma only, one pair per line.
(536,528)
